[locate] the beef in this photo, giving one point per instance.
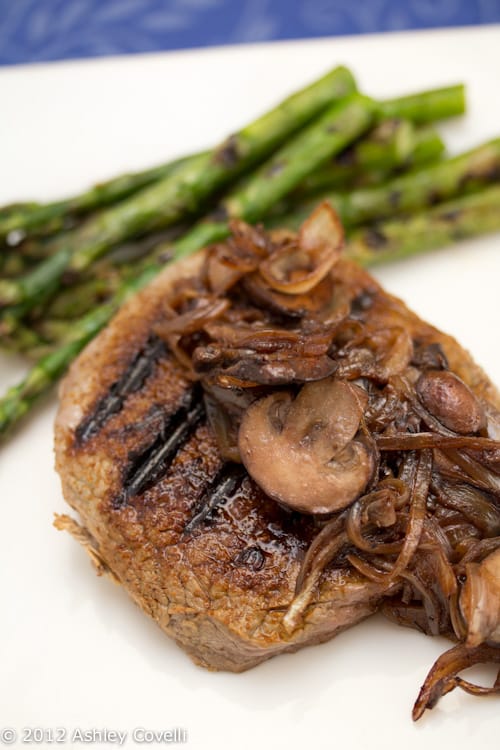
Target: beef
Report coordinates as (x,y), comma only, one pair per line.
(192,538)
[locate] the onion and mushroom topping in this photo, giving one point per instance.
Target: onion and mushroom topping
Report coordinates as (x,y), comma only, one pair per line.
(319,385)
(304,452)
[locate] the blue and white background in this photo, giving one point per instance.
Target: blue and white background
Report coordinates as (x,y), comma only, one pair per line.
(38,30)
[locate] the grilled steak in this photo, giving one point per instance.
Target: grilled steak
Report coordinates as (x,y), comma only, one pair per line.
(192,536)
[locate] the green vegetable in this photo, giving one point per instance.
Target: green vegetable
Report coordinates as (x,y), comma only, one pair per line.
(391,145)
(426,106)
(408,192)
(459,219)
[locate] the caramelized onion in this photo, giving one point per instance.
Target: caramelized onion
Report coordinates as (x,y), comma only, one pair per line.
(474,505)
(408,442)
(380,354)
(266,339)
(474,471)
(418,498)
(429,600)
(293,306)
(377,509)
(226,263)
(296,269)
(248,368)
(443,676)
(195,319)
(323,549)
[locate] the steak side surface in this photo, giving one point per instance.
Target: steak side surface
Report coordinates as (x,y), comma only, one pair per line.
(193,539)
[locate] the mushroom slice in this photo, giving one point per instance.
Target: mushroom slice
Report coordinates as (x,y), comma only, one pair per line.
(480,600)
(296,270)
(304,452)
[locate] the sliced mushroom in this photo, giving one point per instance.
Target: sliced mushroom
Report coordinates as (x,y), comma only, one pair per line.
(297,269)
(304,452)
(451,401)
(480,600)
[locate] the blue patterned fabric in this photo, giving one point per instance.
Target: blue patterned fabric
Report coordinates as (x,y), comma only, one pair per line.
(35,30)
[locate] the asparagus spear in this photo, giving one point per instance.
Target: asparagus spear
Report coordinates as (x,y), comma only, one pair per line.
(426,106)
(371,161)
(391,144)
(27,217)
(411,191)
(445,223)
(25,341)
(19,399)
(428,147)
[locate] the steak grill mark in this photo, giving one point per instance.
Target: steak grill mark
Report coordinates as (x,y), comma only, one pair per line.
(148,466)
(223,487)
(131,380)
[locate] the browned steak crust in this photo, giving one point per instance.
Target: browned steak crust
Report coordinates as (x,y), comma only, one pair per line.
(199,547)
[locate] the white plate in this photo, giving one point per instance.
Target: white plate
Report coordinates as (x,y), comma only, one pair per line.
(74,651)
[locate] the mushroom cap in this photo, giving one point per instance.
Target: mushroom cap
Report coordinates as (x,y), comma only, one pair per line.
(305,452)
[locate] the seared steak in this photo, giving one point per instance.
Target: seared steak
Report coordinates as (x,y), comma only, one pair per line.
(192,536)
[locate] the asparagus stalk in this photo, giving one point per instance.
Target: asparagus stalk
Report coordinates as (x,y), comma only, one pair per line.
(25,341)
(426,106)
(29,217)
(392,144)
(427,186)
(428,147)
(459,219)
(74,302)
(409,192)
(19,399)
(329,134)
